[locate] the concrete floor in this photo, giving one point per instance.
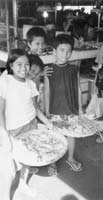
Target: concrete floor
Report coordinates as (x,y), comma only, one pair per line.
(70,185)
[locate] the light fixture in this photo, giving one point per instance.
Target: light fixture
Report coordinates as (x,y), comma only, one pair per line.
(59,6)
(45,14)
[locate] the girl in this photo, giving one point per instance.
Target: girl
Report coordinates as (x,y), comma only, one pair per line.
(18,108)
(61,93)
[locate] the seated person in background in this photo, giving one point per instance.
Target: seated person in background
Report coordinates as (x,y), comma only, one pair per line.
(61,92)
(89,29)
(67,24)
(73,28)
(82,12)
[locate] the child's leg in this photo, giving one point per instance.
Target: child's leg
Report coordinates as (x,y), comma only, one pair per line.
(7,174)
(23,186)
(75,165)
(71,148)
(52,169)
(24,173)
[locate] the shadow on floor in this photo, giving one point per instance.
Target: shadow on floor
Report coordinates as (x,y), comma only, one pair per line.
(69,197)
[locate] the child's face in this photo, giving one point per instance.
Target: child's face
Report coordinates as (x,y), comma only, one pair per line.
(37,45)
(34,72)
(20,68)
(63,53)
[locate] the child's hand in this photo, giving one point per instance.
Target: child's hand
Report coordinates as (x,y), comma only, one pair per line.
(81,112)
(48,71)
(97,67)
(49,125)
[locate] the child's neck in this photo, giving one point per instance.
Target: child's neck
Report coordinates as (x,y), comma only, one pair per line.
(61,64)
(19,78)
(33,53)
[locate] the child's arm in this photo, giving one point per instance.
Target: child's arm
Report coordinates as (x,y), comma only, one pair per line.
(41,116)
(4,137)
(79,95)
(46,95)
(2,113)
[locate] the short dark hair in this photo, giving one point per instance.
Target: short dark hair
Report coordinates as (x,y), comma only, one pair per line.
(34,59)
(63,39)
(13,56)
(35,32)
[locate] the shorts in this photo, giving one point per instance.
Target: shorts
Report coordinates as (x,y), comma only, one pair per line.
(30,126)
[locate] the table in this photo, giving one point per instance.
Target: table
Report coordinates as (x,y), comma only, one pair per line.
(47,59)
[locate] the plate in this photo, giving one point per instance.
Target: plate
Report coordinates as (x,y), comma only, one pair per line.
(39,147)
(77,126)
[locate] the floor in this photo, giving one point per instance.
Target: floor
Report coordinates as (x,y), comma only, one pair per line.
(70,185)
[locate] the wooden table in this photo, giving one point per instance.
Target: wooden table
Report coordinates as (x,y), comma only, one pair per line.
(47,59)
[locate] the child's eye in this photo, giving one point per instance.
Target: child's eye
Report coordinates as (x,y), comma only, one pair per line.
(32,70)
(27,65)
(19,64)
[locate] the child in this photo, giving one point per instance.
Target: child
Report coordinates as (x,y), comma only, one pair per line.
(37,68)
(36,38)
(18,108)
(62,90)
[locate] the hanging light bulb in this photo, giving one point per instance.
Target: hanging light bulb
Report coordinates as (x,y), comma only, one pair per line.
(45,14)
(59,7)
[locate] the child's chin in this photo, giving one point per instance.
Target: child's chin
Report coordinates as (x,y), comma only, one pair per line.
(63,62)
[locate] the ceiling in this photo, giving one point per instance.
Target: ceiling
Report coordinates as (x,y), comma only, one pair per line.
(69,2)
(52,2)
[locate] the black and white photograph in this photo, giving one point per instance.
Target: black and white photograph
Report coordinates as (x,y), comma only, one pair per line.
(51,99)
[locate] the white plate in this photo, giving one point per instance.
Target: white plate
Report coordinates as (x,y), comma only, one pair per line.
(78,126)
(48,147)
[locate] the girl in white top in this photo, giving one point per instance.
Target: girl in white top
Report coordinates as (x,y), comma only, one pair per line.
(18,109)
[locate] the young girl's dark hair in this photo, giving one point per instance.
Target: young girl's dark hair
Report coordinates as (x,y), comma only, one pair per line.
(33,59)
(35,32)
(14,55)
(63,39)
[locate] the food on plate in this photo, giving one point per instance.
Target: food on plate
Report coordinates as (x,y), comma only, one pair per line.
(42,147)
(77,126)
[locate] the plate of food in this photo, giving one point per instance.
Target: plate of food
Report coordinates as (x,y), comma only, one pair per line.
(39,147)
(77,126)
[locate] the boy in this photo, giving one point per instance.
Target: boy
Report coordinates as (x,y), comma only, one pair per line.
(61,93)
(36,38)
